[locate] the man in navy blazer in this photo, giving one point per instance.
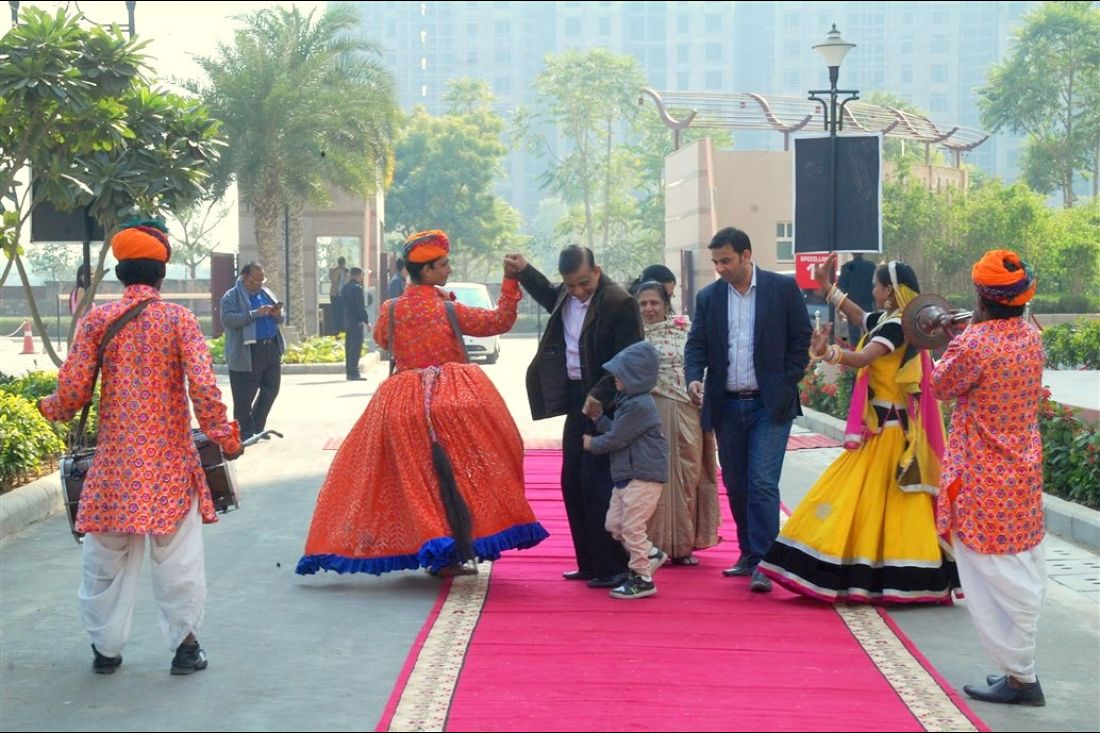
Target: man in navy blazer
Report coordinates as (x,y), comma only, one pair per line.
(750,337)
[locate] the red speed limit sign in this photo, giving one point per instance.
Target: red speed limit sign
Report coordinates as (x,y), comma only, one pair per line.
(804,268)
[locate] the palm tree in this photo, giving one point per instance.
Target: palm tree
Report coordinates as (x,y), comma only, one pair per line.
(307,106)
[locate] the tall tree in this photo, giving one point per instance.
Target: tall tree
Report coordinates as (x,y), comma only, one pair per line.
(446,169)
(1049,88)
(307,107)
(194,236)
(76,109)
(590,98)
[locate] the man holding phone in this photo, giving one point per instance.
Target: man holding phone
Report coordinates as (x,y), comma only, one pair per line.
(254,347)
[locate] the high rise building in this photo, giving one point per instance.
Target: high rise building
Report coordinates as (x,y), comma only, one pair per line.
(933,54)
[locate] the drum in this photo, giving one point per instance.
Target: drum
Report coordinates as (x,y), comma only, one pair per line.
(220,477)
(74,467)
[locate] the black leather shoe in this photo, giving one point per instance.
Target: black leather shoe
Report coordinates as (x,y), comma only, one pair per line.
(741,569)
(189,658)
(1002,692)
(608,581)
(576,575)
(105,665)
(992,679)
(760,583)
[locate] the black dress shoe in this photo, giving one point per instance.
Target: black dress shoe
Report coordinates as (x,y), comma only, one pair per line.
(577,575)
(608,581)
(992,679)
(741,569)
(105,665)
(1002,692)
(189,658)
(760,583)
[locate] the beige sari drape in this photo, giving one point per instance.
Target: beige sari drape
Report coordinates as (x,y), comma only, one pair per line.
(687,515)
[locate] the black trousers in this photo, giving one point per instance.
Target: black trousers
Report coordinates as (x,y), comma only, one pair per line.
(586,489)
(249,408)
(353,345)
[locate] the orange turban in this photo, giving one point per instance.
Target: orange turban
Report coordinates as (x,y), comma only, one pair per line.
(144,240)
(1002,277)
(426,246)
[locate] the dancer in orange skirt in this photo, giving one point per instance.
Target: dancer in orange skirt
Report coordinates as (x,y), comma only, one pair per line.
(432,473)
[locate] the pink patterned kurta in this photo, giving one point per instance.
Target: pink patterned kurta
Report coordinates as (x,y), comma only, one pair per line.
(992,476)
(146,467)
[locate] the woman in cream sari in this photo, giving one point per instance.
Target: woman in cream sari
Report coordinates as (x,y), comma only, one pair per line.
(686,518)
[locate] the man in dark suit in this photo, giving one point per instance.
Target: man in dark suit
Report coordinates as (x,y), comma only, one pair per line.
(857,280)
(355,316)
(750,337)
(591,320)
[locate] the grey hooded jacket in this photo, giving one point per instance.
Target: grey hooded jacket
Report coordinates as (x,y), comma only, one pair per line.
(634,439)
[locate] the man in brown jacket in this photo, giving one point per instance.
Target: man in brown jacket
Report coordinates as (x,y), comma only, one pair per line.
(591,320)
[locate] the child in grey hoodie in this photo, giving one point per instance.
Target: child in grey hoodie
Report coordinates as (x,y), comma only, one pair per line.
(639,463)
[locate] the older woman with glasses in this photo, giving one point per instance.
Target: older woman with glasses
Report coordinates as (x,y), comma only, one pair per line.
(687,517)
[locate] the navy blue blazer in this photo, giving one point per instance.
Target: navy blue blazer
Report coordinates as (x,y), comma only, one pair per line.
(780,345)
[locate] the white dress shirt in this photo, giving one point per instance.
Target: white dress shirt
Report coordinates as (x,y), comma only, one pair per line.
(742,322)
(573,315)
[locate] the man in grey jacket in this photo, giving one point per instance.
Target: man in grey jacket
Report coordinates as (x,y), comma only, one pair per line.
(639,463)
(254,347)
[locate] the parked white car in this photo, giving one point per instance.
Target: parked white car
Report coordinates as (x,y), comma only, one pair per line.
(476,295)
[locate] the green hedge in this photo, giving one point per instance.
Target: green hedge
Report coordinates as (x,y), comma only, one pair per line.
(27,441)
(1071,446)
(1073,345)
(314,350)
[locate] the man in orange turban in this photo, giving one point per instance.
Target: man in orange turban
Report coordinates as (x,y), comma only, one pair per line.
(991,503)
(146,477)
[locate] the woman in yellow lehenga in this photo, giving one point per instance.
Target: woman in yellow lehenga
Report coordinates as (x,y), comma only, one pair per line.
(866,530)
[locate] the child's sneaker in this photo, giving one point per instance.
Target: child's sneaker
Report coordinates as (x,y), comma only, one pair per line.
(635,587)
(657,558)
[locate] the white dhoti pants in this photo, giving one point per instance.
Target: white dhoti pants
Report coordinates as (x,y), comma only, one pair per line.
(111,567)
(1004,594)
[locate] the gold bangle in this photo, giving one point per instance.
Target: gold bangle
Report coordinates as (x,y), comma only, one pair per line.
(817,357)
(843,297)
(835,355)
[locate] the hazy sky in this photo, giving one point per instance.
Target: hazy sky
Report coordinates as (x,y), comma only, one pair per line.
(177,32)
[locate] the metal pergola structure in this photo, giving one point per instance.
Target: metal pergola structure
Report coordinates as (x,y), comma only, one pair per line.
(788,115)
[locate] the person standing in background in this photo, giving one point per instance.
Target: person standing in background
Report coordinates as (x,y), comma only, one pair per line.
(254,348)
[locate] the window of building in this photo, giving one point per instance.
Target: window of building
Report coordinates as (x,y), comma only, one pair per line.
(502,28)
(683,81)
(713,80)
(683,23)
(423,63)
(906,75)
(605,26)
(939,72)
(939,44)
(683,53)
(938,103)
(423,36)
(714,23)
(423,90)
(573,26)
(714,52)
(784,241)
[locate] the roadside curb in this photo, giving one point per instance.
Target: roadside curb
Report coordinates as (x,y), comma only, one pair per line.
(1073,522)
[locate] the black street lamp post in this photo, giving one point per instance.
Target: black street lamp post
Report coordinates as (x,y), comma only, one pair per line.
(833,49)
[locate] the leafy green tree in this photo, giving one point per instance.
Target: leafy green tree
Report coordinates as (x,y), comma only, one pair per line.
(446,169)
(76,108)
(193,240)
(1049,88)
(590,97)
(308,107)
